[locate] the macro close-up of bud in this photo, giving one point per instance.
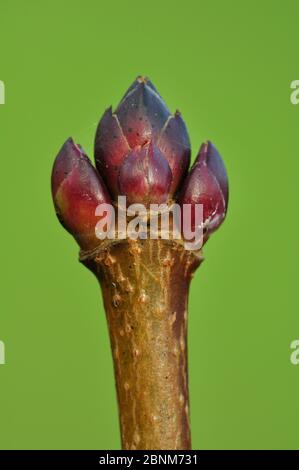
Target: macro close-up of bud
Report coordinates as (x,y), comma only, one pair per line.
(142,140)
(142,152)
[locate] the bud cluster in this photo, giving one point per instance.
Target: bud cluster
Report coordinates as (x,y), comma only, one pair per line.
(141,151)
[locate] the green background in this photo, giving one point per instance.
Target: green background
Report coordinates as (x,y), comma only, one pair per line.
(227,65)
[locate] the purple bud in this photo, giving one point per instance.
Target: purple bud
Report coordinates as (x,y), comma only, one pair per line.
(77,190)
(140,118)
(142,113)
(209,154)
(207,184)
(110,148)
(145,176)
(174,143)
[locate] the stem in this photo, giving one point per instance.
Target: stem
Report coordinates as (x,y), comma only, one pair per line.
(145,287)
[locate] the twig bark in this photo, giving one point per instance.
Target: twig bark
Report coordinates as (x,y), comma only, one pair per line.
(145,287)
